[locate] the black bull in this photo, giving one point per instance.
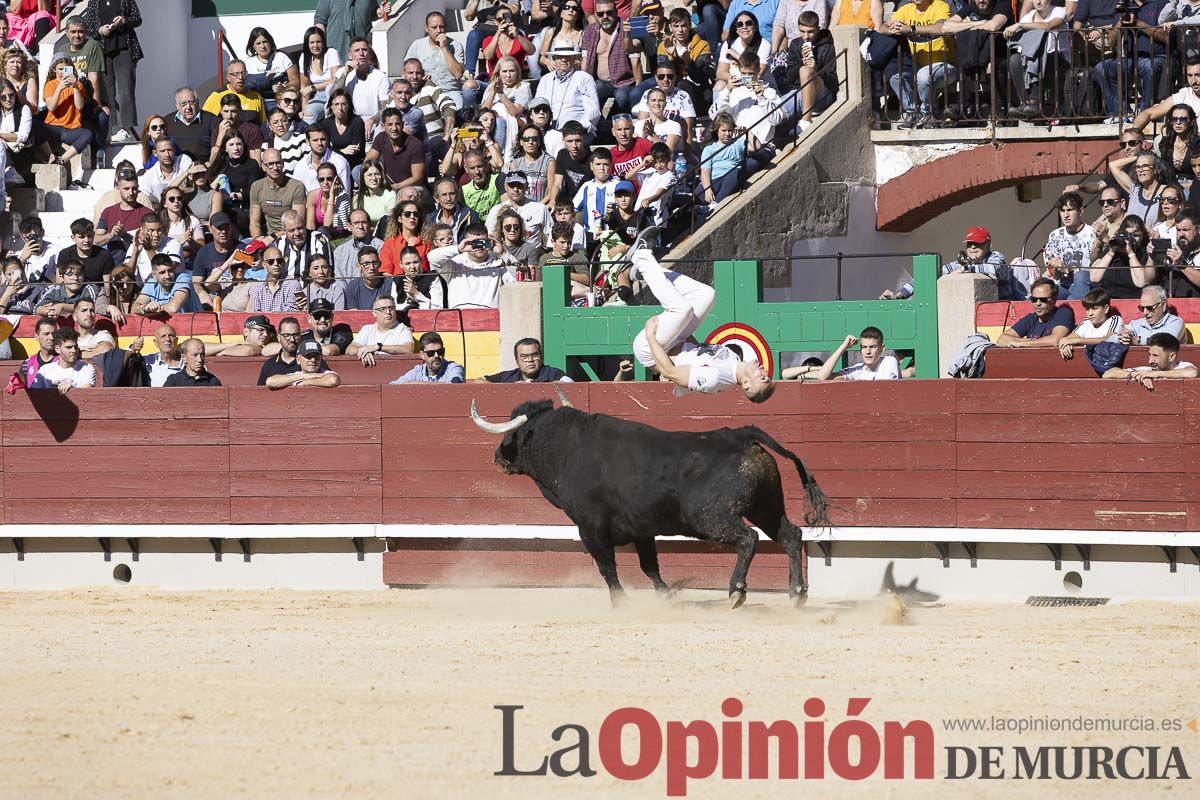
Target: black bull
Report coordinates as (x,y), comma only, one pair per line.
(623,482)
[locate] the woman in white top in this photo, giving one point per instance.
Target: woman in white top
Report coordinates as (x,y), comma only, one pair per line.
(1030,84)
(655,126)
(266,67)
(507,95)
(16,122)
(1170,203)
(318,64)
(743,35)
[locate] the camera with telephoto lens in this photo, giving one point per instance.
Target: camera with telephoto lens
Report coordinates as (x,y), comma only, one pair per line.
(1119,243)
(1126,9)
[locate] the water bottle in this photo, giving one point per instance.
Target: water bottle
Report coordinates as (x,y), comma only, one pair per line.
(680,166)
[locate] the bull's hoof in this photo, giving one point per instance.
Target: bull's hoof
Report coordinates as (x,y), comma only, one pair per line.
(737,596)
(800,598)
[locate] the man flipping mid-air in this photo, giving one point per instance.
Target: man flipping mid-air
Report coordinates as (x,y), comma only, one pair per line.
(665,344)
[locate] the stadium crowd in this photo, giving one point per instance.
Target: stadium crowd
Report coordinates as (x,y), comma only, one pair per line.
(557,132)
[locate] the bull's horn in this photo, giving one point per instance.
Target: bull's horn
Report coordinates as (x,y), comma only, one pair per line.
(562,398)
(499,428)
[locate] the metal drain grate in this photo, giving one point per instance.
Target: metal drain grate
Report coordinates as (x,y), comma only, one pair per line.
(1047,601)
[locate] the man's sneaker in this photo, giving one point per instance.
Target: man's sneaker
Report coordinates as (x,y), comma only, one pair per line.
(908,120)
(123,137)
(642,242)
(803,125)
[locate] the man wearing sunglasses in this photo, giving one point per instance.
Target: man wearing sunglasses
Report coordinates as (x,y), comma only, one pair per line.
(334,338)
(606,57)
(1113,205)
(434,367)
(1156,318)
(1045,325)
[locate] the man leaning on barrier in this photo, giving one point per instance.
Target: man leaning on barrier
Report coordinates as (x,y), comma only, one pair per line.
(1045,325)
(1162,362)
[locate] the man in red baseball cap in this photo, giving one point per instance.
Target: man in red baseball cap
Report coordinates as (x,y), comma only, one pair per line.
(978,256)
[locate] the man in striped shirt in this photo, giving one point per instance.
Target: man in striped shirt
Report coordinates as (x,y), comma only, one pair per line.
(436,106)
(276,293)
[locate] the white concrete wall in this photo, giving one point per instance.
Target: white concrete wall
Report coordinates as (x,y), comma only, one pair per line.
(1000,212)
(202,41)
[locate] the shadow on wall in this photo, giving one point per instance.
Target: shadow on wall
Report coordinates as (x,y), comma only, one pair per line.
(1000,212)
(57,411)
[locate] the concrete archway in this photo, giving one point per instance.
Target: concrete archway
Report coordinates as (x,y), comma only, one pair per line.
(928,190)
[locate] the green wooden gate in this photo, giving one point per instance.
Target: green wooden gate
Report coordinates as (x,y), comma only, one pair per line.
(909,326)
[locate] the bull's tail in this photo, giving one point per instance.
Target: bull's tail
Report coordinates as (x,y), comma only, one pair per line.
(818,517)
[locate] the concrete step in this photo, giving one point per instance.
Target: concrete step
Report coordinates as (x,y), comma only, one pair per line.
(58,223)
(123,152)
(77,201)
(101,179)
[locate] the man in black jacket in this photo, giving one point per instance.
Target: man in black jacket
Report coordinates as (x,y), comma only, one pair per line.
(811,71)
(530,368)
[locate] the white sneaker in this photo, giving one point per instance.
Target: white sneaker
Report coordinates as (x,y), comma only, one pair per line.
(804,125)
(640,249)
(123,137)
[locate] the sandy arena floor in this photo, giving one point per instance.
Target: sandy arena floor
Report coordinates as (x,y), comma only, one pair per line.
(391,694)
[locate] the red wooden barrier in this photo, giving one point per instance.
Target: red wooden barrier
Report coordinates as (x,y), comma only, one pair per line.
(1043,454)
(1046,362)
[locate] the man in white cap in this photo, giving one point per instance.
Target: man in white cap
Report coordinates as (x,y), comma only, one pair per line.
(535,215)
(570,92)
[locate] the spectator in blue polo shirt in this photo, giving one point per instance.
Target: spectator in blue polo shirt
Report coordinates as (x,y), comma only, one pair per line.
(1155,319)
(436,368)
(1047,323)
(166,293)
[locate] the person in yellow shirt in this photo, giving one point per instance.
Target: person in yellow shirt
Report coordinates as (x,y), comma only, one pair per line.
(928,62)
(253,109)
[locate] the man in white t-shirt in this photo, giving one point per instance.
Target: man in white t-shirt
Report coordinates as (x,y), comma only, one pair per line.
(1068,250)
(1188,95)
(875,366)
(67,372)
(664,342)
(535,215)
(387,335)
(1163,363)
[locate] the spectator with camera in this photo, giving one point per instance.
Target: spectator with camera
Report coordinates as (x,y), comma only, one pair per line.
(1125,268)
(977,256)
(1113,202)
(1183,259)
(474,273)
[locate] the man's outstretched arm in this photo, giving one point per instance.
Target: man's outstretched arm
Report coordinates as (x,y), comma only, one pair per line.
(662,362)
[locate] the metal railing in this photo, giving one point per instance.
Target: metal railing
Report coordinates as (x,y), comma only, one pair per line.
(688,187)
(1066,85)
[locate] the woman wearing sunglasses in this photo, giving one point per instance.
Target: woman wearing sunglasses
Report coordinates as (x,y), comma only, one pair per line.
(1174,145)
(154,127)
(571,23)
(16,129)
(328,206)
(743,36)
(406,228)
(529,156)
